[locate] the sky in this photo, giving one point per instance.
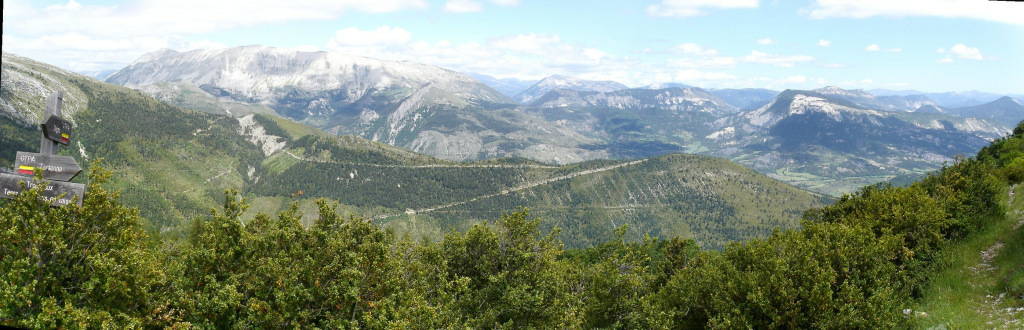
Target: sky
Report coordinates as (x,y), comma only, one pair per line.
(925,45)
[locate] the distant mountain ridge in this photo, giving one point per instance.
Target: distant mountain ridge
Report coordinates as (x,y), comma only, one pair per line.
(429,109)
(946,99)
(569,120)
(745,98)
(910,103)
(1005,110)
(508,86)
(827,135)
(677,99)
(565,82)
(667,85)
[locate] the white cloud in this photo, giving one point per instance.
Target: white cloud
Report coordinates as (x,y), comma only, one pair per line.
(696,56)
(78,52)
(697,77)
(716,62)
(507,3)
(996,11)
(824,43)
(877,48)
(765,41)
(525,56)
(690,8)
(111,36)
(307,48)
(463,6)
(181,16)
(594,54)
(527,42)
(962,51)
(695,49)
(779,83)
(384,35)
(796,79)
(775,60)
(473,6)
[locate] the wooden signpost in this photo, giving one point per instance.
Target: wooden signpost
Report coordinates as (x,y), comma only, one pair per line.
(57,169)
(57,129)
(56,192)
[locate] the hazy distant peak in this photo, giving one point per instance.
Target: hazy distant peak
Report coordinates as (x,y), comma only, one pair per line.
(155,55)
(566,82)
(833,90)
(667,85)
(571,82)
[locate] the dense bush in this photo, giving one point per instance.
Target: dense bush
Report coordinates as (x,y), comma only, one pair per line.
(74,266)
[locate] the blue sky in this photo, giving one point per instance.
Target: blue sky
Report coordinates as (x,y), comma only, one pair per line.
(927,45)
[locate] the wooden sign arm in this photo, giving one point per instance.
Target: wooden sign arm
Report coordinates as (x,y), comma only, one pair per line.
(53,107)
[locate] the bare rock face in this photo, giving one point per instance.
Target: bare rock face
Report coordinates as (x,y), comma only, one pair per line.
(248,127)
(436,111)
(273,76)
(25,90)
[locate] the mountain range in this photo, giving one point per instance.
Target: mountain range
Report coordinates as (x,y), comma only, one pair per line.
(830,140)
(175,163)
(424,108)
(508,86)
(949,99)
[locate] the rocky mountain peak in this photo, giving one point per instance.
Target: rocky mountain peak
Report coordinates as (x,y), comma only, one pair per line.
(266,74)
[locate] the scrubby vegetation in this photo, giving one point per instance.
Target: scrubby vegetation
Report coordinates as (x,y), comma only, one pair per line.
(862,262)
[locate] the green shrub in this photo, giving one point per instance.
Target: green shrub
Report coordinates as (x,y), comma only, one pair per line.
(77,267)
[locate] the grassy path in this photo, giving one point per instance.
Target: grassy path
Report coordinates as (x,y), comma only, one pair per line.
(424,166)
(970,293)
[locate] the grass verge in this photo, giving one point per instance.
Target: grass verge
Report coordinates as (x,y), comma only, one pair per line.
(971,292)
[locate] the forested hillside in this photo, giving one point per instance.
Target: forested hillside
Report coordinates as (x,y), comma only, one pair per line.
(709,199)
(862,262)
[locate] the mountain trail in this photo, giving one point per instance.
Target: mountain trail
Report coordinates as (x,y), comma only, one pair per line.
(218,175)
(1000,317)
(421,166)
(1010,202)
(522,187)
(207,181)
